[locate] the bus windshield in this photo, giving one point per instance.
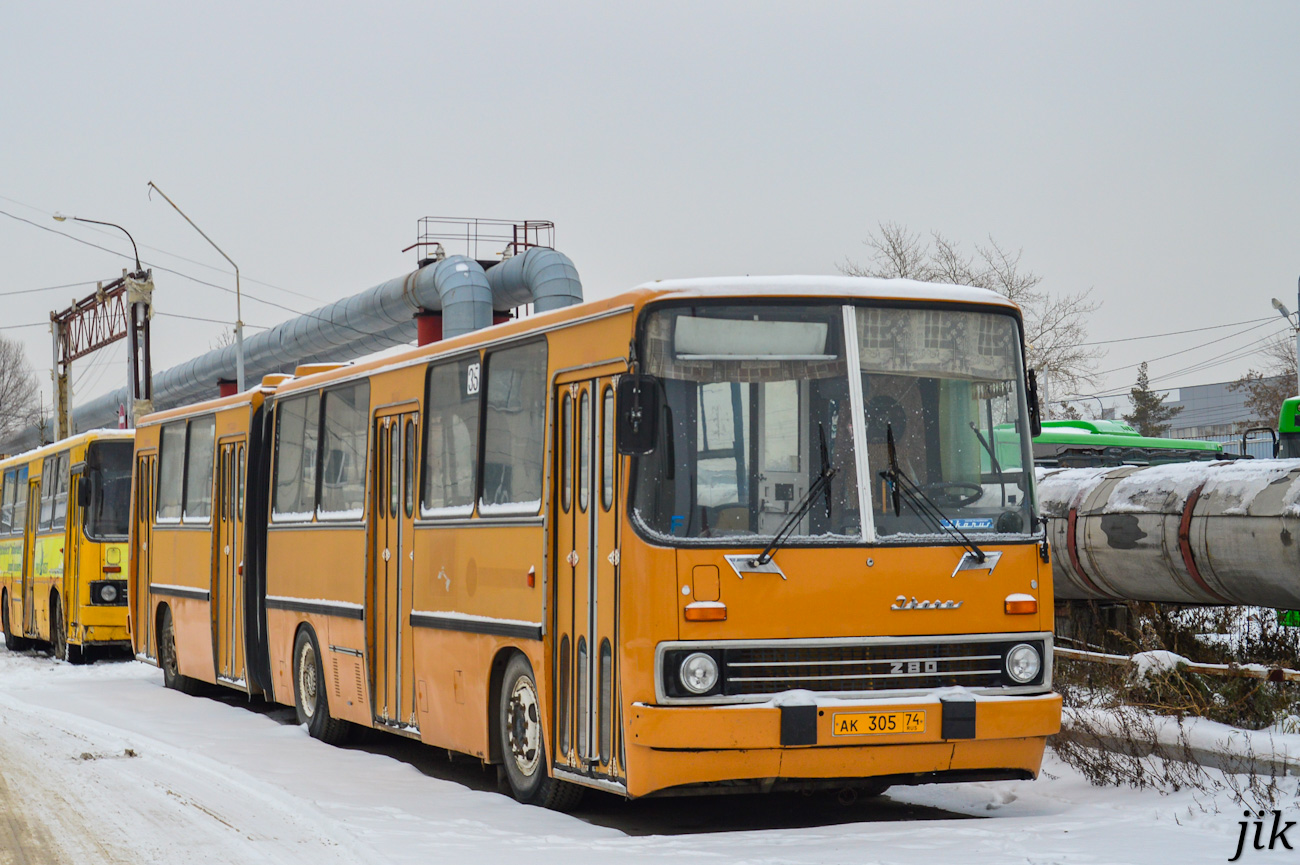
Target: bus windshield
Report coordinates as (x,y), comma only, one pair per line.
(757,403)
(108,472)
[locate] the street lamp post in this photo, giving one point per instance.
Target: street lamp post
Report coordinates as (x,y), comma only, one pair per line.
(139,271)
(1295,324)
(239,315)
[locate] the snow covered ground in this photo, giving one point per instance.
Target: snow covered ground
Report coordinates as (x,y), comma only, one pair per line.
(101,764)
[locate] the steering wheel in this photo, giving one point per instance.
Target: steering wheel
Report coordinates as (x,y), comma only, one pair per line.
(954,493)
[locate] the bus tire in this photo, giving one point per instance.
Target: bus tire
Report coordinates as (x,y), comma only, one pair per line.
(58,631)
(172,677)
(309,693)
(13,642)
(523,749)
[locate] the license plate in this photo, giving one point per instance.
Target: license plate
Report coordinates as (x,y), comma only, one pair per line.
(868,723)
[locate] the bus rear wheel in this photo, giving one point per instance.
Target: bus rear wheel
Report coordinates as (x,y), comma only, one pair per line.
(172,677)
(13,642)
(309,697)
(523,749)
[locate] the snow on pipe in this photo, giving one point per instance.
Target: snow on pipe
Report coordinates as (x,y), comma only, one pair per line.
(1192,533)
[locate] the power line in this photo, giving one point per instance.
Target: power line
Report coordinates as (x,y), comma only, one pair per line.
(201,318)
(47,288)
(1176,332)
(165,252)
(223,288)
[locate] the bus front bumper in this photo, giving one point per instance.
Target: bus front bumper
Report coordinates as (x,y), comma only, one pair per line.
(672,746)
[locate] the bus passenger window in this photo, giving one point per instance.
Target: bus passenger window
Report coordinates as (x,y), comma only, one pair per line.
(295,458)
(47,493)
(514,430)
(20,502)
(343,469)
(451,439)
(171,472)
(198,470)
(7,503)
(61,491)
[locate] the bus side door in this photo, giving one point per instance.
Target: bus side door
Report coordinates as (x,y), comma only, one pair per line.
(392,586)
(228,597)
(29,557)
(142,556)
(586,561)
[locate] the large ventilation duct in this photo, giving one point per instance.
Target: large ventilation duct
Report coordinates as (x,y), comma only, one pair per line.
(381,317)
(541,276)
(1190,533)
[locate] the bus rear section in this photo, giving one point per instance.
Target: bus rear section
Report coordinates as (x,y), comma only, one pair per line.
(196,602)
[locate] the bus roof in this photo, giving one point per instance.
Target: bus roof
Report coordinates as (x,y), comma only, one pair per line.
(70,441)
(856,287)
(824,286)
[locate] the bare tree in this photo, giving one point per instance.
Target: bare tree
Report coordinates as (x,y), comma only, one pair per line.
(1056,325)
(1266,389)
(19,405)
(223,339)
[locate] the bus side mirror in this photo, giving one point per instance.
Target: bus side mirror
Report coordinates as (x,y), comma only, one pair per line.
(638,414)
(83,493)
(1035,410)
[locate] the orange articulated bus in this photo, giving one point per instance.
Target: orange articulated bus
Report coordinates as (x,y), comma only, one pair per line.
(63,545)
(741,534)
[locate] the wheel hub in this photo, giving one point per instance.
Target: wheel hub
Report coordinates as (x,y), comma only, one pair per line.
(523,722)
(307,680)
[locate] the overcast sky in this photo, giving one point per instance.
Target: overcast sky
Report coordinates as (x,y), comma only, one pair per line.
(1145,151)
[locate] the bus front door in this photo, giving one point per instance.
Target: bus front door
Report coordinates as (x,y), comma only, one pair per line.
(141,556)
(393,558)
(228,599)
(585,623)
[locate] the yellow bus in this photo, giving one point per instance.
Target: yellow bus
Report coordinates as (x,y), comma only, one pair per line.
(740,534)
(63,545)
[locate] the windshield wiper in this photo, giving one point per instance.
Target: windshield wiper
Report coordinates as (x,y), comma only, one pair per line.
(823,482)
(993,458)
(923,505)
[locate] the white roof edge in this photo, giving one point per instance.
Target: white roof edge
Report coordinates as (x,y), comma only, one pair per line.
(830,286)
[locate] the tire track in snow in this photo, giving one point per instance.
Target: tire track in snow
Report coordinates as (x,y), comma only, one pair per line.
(162,805)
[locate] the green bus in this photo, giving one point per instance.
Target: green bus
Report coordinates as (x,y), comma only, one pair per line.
(1288,429)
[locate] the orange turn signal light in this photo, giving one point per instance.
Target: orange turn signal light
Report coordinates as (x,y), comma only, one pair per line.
(1019,605)
(112,569)
(706,611)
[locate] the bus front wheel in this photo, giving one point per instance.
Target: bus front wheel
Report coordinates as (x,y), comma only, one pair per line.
(59,635)
(523,751)
(309,697)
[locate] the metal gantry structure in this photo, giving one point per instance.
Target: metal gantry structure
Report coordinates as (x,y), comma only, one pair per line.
(120,309)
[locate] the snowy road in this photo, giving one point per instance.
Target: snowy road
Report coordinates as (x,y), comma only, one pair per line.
(101,764)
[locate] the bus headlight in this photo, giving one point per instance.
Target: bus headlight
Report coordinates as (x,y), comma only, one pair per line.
(1024,663)
(698,673)
(108,593)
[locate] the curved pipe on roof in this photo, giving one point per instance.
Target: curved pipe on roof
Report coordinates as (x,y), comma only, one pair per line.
(376,319)
(541,276)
